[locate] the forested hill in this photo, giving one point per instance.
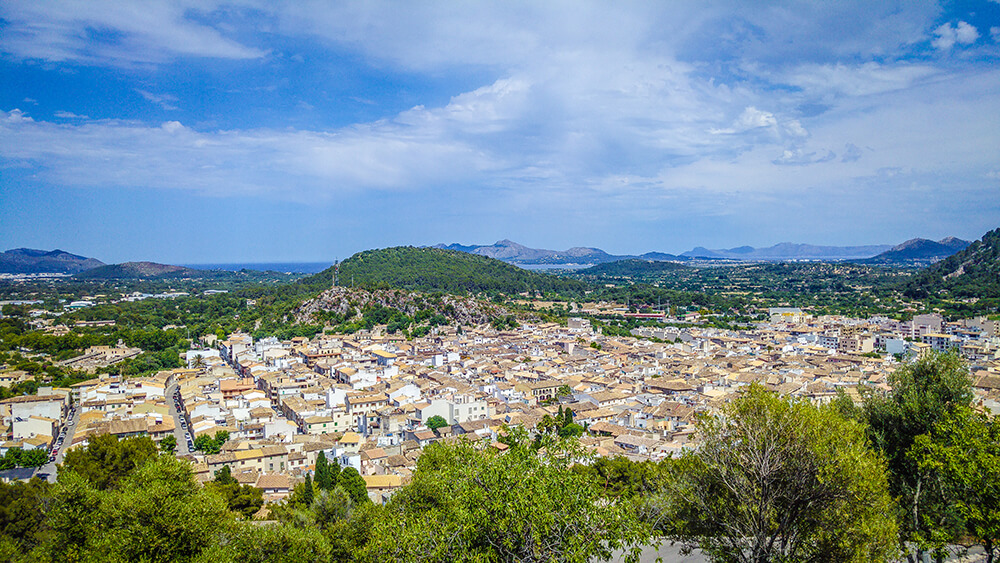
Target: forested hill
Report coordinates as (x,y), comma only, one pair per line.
(436,269)
(631,268)
(971,273)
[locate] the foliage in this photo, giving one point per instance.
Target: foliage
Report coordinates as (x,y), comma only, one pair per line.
(923,393)
(352,482)
(158,513)
(777,479)
(211,445)
(17,457)
(107,460)
(244,500)
(168,444)
(964,449)
(325,479)
(246,543)
(619,477)
(469,502)
(436,422)
(21,514)
(434,269)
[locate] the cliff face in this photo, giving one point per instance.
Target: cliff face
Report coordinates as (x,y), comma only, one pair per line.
(343,300)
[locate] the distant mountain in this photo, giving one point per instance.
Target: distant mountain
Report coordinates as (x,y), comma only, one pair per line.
(973,272)
(31,261)
(919,251)
(789,251)
(139,270)
(514,253)
(510,251)
(438,269)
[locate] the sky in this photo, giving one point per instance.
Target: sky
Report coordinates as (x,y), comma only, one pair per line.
(214,132)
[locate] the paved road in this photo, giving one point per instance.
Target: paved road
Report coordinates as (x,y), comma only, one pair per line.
(179,432)
(50,468)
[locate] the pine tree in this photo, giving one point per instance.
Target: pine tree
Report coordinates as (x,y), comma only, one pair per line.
(307,491)
(322,473)
(334,472)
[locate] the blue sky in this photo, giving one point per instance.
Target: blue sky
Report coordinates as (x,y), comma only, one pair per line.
(204,131)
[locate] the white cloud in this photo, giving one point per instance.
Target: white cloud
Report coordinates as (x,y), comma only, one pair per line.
(856,80)
(114,33)
(995,32)
(165,101)
(69,115)
(752,118)
(947,35)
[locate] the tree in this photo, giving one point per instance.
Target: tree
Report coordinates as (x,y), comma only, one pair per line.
(107,460)
(334,470)
(923,393)
(158,512)
(778,479)
(323,481)
(352,482)
(168,444)
(964,449)
(471,502)
(306,497)
(435,422)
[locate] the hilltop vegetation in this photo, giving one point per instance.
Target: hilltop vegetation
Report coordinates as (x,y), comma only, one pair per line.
(973,273)
(436,269)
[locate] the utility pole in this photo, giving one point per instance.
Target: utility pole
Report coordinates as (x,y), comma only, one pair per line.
(336,272)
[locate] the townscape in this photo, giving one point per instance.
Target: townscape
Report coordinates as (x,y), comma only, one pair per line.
(367,400)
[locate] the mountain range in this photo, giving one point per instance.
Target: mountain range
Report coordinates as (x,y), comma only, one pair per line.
(510,251)
(919,252)
(31,261)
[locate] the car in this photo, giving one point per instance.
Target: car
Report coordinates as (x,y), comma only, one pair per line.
(51,459)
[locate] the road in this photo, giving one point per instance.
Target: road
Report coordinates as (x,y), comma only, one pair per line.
(50,467)
(179,431)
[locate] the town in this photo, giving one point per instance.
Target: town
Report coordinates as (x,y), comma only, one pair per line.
(372,400)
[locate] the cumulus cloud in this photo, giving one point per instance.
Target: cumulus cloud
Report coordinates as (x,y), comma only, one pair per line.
(69,115)
(995,32)
(947,35)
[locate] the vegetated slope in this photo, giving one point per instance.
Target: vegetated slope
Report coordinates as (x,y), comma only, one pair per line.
(136,270)
(630,268)
(436,269)
(919,251)
(970,273)
(342,304)
(31,261)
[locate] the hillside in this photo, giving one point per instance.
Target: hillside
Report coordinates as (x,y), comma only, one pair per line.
(970,273)
(137,270)
(436,269)
(386,305)
(630,268)
(31,261)
(919,251)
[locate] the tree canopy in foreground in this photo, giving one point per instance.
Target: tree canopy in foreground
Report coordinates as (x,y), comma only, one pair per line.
(779,479)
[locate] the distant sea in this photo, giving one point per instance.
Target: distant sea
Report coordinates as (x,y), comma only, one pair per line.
(293,267)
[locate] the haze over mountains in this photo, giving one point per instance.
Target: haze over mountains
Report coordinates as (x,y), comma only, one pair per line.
(915,252)
(515,253)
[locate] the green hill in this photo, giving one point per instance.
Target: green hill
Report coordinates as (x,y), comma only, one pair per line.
(436,269)
(633,268)
(970,273)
